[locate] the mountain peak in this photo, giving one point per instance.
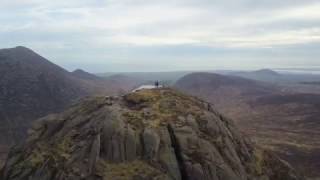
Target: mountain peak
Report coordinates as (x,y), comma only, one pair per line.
(148,134)
(28,58)
(21,50)
(79,71)
(21,47)
(17,50)
(267,72)
(85,75)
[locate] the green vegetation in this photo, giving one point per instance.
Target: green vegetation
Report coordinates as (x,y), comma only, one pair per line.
(129,170)
(56,154)
(259,161)
(162,106)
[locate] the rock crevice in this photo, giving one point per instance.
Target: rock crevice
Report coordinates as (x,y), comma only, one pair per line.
(178,154)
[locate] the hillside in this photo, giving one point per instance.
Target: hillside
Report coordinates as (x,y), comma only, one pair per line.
(147,135)
(31,87)
(216,88)
(282,121)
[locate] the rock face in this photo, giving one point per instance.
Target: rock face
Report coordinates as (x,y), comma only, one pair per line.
(155,134)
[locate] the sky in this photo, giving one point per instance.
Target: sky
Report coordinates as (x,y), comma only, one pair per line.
(165,35)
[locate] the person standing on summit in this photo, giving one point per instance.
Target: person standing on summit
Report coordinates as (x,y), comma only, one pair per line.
(156,84)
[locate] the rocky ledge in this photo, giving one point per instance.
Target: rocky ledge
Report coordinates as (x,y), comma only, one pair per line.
(157,134)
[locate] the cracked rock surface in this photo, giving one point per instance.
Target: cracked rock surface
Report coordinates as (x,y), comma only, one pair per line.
(157,134)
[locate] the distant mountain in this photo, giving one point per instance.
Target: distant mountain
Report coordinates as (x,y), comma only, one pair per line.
(31,87)
(208,83)
(266,72)
(230,94)
(267,75)
(111,85)
(116,83)
(166,78)
(281,120)
(85,75)
(157,134)
(276,77)
(124,82)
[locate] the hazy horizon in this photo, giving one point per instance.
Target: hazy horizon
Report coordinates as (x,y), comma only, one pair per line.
(157,36)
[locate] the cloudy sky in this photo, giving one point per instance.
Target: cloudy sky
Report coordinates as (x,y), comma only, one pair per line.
(165,35)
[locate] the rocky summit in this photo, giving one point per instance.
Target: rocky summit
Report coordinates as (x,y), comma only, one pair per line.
(156,134)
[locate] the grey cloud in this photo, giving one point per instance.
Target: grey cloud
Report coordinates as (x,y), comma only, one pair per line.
(175,34)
